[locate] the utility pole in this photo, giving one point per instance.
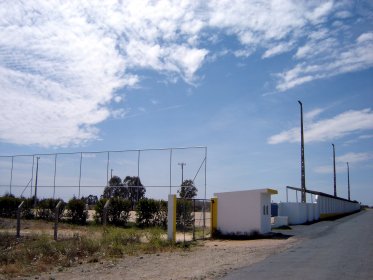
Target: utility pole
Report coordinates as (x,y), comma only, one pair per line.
(182,164)
(111,173)
(335,177)
(36,180)
(303,175)
(348,181)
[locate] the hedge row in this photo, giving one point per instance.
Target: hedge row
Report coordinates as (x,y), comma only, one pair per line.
(149,212)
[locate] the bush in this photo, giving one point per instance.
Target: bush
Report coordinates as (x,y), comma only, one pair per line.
(76,211)
(45,208)
(161,216)
(8,206)
(27,208)
(118,211)
(184,214)
(151,212)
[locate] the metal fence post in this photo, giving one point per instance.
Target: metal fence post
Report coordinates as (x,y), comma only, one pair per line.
(194,219)
(104,214)
(19,209)
(56,214)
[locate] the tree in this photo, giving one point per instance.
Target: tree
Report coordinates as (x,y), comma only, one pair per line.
(91,199)
(188,190)
(135,189)
(115,189)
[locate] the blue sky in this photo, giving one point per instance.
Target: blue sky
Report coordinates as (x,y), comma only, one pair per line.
(223,74)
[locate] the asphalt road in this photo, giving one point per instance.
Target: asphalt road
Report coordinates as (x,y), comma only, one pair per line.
(340,249)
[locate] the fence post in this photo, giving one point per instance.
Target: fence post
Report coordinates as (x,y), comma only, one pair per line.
(171,218)
(194,219)
(19,209)
(104,214)
(214,215)
(56,214)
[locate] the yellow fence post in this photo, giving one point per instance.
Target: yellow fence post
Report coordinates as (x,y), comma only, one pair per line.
(214,215)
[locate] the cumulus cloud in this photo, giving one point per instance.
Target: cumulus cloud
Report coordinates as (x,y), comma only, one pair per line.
(351,158)
(354,157)
(335,60)
(61,64)
(328,129)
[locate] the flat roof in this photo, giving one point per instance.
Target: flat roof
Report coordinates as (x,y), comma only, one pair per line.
(266,190)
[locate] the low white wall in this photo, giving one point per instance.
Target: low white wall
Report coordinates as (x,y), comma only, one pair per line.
(279,221)
(296,212)
(300,213)
(333,206)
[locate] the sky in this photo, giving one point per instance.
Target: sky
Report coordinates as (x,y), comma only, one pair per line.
(79,76)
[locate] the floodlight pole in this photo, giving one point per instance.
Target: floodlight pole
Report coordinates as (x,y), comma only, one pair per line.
(36,180)
(335,177)
(182,164)
(303,175)
(348,181)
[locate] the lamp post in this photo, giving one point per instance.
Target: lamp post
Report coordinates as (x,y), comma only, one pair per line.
(182,164)
(36,180)
(335,176)
(348,181)
(303,175)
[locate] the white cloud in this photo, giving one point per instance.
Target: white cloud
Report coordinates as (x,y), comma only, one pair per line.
(61,64)
(354,157)
(329,169)
(328,129)
(277,49)
(309,116)
(331,60)
(351,158)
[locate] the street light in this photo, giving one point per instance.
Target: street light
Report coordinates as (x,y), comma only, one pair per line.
(335,176)
(36,180)
(348,180)
(182,164)
(303,175)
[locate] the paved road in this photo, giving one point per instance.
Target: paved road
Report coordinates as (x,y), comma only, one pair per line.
(341,249)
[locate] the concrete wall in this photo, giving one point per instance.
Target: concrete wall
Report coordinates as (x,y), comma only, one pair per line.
(296,212)
(329,206)
(243,212)
(300,213)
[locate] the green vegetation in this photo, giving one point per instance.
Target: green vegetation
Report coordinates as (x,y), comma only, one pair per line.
(39,253)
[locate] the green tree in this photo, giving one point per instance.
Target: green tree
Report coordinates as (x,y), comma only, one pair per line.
(135,189)
(115,189)
(188,190)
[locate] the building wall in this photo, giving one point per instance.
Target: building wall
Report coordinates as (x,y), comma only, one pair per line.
(243,212)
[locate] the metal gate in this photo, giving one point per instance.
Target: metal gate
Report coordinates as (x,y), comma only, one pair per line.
(193,219)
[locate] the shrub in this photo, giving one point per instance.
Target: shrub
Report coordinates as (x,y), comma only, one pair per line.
(151,212)
(118,211)
(184,214)
(45,208)
(27,208)
(161,215)
(76,211)
(8,206)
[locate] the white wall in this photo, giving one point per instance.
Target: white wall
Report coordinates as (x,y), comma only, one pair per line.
(242,212)
(296,212)
(300,213)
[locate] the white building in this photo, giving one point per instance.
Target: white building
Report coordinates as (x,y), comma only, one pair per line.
(244,212)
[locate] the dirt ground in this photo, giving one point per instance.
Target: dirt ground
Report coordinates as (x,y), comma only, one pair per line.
(207,260)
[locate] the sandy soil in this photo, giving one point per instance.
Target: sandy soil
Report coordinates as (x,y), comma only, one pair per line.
(208,260)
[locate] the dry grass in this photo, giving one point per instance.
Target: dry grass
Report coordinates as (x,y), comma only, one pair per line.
(37,252)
